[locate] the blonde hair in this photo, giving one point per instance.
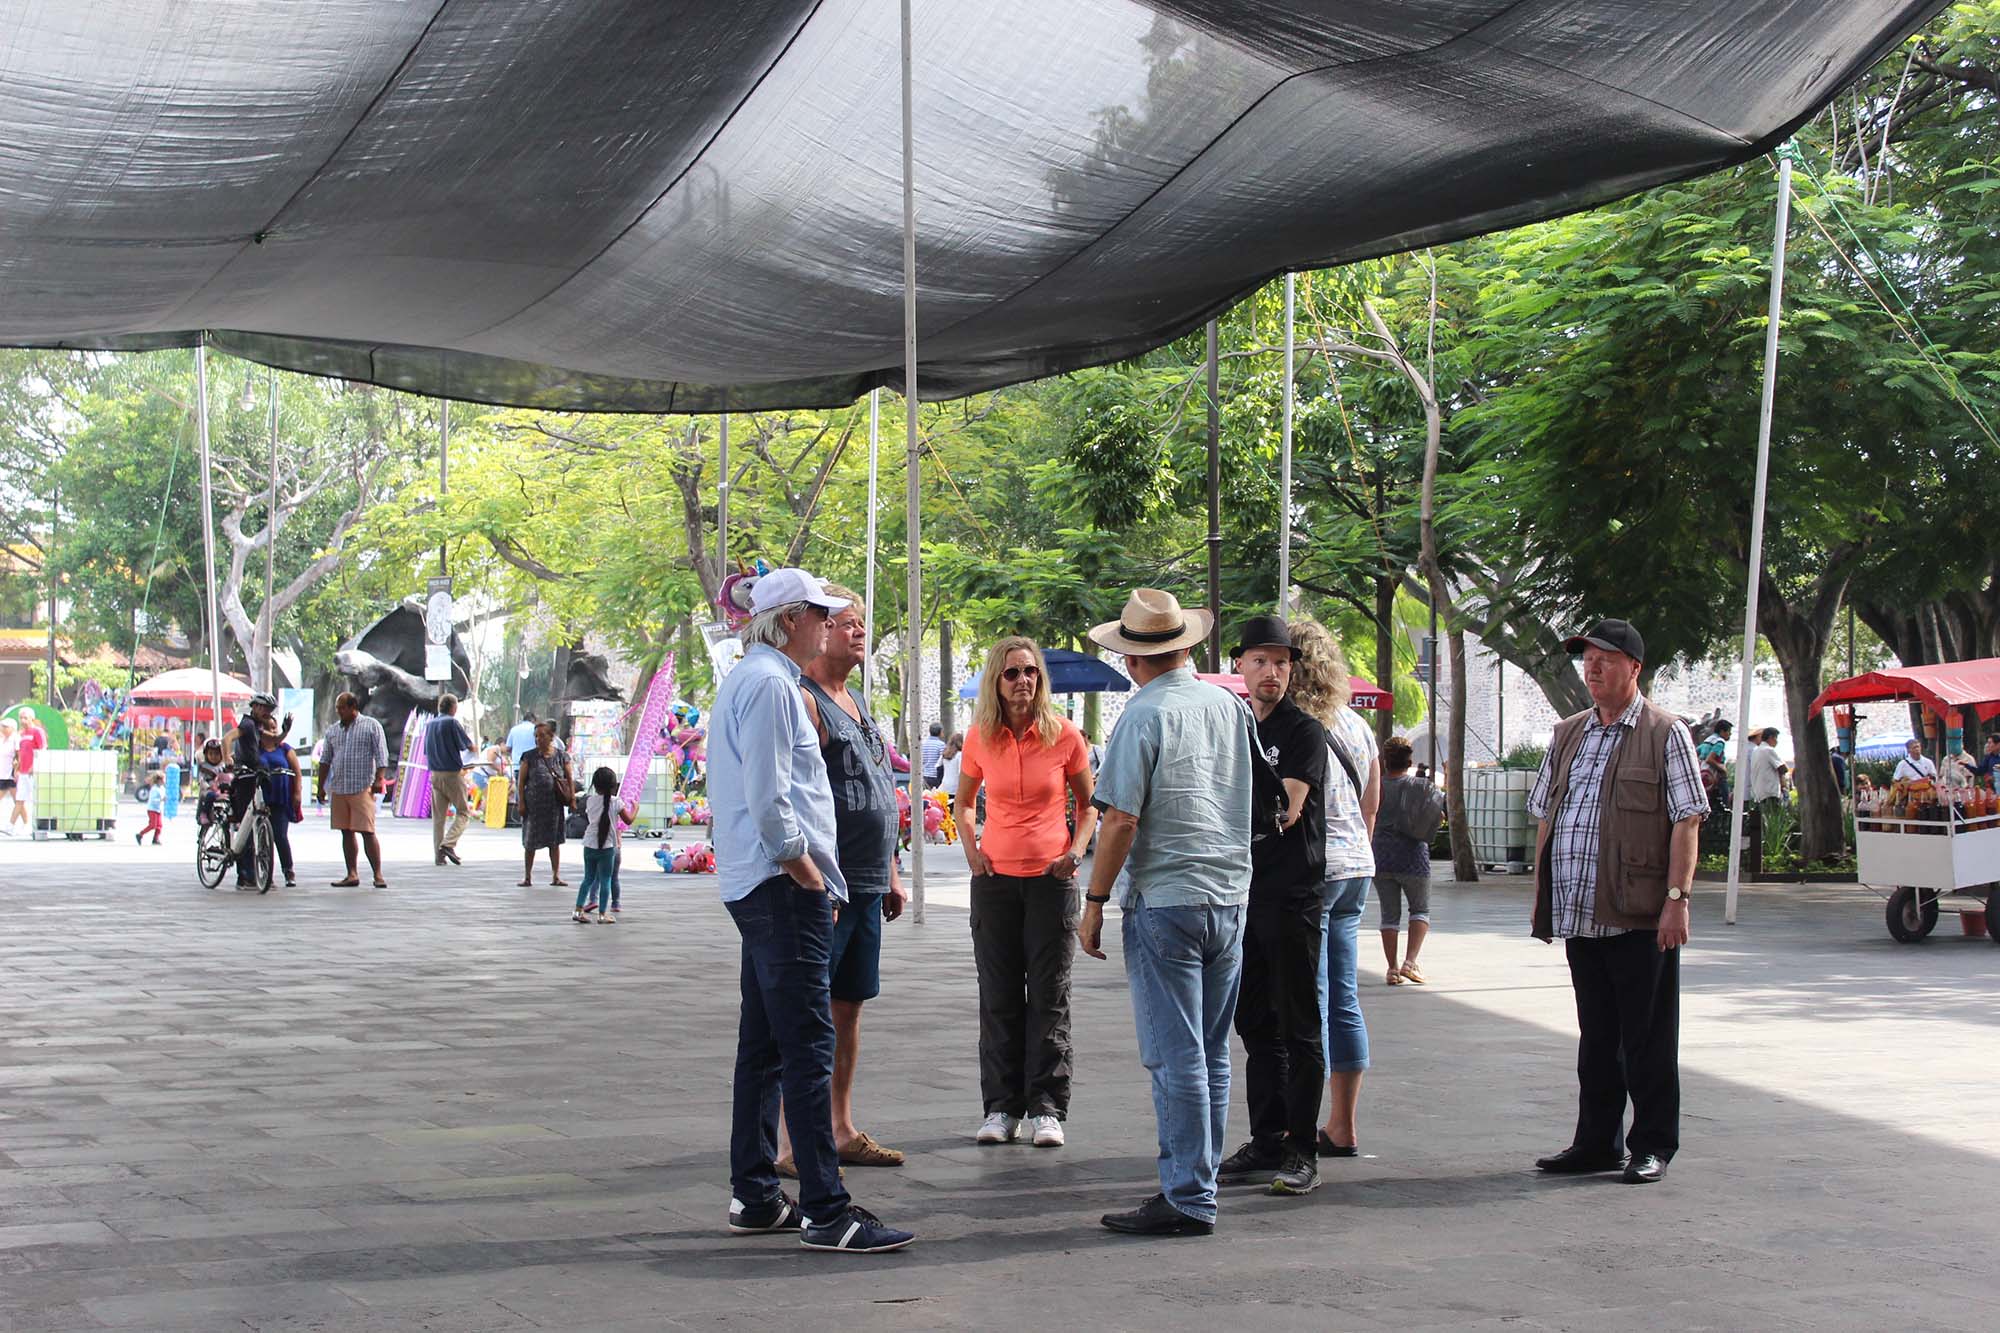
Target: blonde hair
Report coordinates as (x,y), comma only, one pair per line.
(1321,680)
(846,593)
(989,717)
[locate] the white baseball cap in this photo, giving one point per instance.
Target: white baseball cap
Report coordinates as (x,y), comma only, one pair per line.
(782,587)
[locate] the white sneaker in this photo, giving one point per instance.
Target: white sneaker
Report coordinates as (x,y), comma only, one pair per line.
(998,1127)
(1047,1131)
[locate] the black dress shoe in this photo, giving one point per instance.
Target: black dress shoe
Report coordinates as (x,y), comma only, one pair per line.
(1574,1161)
(1157,1217)
(451,856)
(1645,1169)
(1328,1148)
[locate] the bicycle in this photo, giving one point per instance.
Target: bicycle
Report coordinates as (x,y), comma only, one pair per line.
(219,845)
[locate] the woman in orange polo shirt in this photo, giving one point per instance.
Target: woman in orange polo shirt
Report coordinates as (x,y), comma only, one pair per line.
(1024,858)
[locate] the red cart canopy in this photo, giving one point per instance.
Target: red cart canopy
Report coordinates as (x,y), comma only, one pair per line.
(1943,689)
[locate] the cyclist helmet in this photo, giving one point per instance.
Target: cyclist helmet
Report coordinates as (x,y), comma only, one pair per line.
(261,697)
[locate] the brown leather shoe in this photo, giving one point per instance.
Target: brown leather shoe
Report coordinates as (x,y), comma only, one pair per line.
(864,1151)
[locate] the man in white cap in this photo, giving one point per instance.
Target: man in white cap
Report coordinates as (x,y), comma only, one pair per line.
(1175,792)
(776,855)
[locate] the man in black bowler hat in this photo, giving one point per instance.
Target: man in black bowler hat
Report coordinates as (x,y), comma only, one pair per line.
(1284,933)
(1620,802)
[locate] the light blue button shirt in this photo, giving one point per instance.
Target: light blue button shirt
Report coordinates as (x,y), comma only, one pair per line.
(767,784)
(1179,759)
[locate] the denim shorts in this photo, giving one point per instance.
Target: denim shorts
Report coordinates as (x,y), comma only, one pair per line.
(854,969)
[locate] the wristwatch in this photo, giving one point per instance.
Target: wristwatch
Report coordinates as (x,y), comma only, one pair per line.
(1676,894)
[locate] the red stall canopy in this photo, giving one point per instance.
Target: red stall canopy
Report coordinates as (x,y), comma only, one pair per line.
(1943,689)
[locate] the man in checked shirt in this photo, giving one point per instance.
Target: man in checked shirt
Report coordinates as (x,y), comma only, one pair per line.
(1620,802)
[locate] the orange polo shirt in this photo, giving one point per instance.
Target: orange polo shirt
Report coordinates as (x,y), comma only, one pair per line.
(1027,793)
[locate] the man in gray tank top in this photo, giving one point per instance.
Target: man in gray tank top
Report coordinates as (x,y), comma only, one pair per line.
(867,820)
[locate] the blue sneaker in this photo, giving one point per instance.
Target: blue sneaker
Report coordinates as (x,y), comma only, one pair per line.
(857,1231)
(780,1214)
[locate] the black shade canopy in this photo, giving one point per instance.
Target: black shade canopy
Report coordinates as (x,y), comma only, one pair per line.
(658,205)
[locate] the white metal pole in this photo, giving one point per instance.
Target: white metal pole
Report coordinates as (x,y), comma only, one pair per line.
(208,536)
(1757,540)
(267,615)
(914,673)
(1285,455)
(722,509)
(868,590)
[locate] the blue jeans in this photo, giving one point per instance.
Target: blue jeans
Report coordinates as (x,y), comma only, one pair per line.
(1339,984)
(784,1045)
(600,878)
(1183,965)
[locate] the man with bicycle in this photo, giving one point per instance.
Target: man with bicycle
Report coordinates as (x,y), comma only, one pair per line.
(247,761)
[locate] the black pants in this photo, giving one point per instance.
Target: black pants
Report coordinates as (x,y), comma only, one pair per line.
(1023,942)
(1628,1011)
(1278,1018)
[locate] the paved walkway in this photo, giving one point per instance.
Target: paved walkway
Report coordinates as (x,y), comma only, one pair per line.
(442,1106)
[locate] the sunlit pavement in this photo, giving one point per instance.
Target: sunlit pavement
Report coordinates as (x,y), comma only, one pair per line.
(444,1106)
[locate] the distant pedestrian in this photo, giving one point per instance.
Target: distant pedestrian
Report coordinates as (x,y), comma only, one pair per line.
(1714,755)
(544,793)
(156,802)
(1767,772)
(1988,766)
(1033,765)
(1915,765)
(355,768)
(604,818)
(520,739)
(285,788)
(446,747)
(1620,804)
(1175,795)
(10,751)
(778,867)
(1404,826)
(1322,685)
(1839,762)
(931,755)
(32,742)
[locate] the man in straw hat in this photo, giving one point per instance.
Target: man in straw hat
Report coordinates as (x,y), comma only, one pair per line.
(1175,792)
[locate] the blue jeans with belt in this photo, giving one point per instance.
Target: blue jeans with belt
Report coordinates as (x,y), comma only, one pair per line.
(1183,965)
(1340,985)
(784,1045)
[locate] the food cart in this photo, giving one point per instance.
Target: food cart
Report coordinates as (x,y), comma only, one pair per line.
(1922,845)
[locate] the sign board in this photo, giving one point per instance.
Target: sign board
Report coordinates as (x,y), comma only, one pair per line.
(437,628)
(305,726)
(724,649)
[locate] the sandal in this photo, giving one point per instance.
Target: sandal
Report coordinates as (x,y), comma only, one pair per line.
(1395,977)
(346,884)
(1413,973)
(525,884)
(864,1151)
(560,883)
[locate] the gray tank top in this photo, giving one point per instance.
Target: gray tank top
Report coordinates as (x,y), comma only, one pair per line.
(864,793)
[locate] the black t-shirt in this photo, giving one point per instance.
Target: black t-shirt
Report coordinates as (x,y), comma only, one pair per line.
(1295,746)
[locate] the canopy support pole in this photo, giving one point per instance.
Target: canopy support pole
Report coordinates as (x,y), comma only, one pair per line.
(444,466)
(208,535)
(1285,454)
(722,508)
(868,589)
(266,614)
(914,649)
(1214,502)
(1757,541)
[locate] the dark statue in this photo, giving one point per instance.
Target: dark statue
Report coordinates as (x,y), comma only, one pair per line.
(384,667)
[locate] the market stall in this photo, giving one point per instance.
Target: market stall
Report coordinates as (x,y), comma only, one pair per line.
(1924,839)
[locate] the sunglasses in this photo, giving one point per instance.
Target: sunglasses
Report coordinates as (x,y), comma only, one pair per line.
(1012,674)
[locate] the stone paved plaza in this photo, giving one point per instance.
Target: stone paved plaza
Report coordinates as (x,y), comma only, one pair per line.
(443,1106)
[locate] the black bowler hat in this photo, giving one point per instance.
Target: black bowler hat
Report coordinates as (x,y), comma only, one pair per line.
(1265,632)
(1615,636)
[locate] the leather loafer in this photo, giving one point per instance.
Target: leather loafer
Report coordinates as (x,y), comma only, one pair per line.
(1157,1217)
(1574,1161)
(1645,1169)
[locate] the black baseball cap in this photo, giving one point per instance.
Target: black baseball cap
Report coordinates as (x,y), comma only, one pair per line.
(1265,632)
(1616,636)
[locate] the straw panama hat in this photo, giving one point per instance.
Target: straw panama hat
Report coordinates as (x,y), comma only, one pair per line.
(1153,622)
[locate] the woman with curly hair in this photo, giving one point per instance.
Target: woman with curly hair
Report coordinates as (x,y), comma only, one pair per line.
(1033,763)
(1322,686)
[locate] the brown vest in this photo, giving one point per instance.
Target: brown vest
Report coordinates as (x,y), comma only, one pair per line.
(1636,829)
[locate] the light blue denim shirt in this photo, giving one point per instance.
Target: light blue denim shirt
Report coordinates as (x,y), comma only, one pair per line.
(1180,760)
(767,783)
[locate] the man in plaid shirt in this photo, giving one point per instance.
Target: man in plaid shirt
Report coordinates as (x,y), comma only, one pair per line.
(1620,802)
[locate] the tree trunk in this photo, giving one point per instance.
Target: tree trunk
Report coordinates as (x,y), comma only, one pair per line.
(1798,637)
(1385,649)
(1464,868)
(945,692)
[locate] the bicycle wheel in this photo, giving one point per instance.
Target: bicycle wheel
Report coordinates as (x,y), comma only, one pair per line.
(211,855)
(262,850)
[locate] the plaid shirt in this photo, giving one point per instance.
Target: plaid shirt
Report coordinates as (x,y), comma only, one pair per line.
(1573,842)
(351,755)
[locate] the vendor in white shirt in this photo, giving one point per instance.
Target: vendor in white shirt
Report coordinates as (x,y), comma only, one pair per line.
(1915,764)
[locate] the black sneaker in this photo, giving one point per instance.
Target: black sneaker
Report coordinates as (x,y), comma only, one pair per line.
(1157,1217)
(856,1231)
(1299,1175)
(1249,1165)
(780,1214)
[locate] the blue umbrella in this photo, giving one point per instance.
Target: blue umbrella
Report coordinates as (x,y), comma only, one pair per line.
(1069,673)
(1882,749)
